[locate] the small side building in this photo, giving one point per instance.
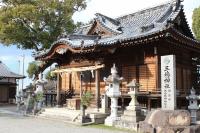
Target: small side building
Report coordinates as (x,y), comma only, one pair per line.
(8,84)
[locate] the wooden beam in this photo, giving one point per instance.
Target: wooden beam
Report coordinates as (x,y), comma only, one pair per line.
(97,83)
(79,69)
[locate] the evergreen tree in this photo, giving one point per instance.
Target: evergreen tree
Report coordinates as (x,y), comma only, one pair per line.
(36,24)
(196,22)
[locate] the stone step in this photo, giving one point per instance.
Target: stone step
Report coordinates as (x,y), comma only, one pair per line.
(56,115)
(59,113)
(56,118)
(62,111)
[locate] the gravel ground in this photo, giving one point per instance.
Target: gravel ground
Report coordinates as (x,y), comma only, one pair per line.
(13,122)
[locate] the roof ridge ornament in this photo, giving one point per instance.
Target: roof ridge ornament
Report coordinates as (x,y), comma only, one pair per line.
(176,4)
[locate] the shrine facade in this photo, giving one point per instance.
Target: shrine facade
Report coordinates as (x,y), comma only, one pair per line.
(135,43)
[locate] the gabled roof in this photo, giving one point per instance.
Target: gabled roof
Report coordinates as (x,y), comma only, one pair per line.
(142,25)
(6,73)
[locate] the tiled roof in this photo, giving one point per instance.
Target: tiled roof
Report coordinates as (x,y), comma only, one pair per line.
(6,73)
(129,27)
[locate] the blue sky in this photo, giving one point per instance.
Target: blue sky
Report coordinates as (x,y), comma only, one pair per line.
(113,8)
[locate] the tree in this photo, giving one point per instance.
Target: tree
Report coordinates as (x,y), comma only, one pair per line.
(32,69)
(50,76)
(36,24)
(196,22)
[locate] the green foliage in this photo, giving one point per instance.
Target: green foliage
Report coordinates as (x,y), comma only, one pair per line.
(32,69)
(39,96)
(50,76)
(36,24)
(86,99)
(31,103)
(196,22)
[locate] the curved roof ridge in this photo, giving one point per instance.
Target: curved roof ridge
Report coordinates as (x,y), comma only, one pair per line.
(114,21)
(190,30)
(109,23)
(144,9)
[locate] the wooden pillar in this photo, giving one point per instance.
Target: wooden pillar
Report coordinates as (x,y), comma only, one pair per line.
(157,68)
(97,83)
(58,90)
(81,84)
(149,103)
(70,81)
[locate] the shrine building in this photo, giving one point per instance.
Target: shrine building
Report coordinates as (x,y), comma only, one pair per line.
(8,84)
(135,44)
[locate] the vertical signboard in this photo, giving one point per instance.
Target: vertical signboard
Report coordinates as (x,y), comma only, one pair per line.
(168,82)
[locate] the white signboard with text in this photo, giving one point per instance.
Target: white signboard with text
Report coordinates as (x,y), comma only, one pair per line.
(168,82)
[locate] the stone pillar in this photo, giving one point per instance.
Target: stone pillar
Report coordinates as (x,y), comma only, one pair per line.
(97,83)
(104,103)
(58,91)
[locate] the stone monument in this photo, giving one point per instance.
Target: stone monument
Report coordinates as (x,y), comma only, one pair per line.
(168,82)
(114,93)
(193,105)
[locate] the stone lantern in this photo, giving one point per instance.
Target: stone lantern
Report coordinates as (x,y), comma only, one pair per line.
(39,91)
(114,93)
(193,105)
(132,115)
(133,92)
(39,85)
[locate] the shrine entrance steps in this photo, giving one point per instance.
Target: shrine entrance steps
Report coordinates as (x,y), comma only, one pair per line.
(59,114)
(72,116)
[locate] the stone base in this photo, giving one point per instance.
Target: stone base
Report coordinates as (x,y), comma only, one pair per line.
(165,121)
(104,110)
(127,125)
(110,121)
(129,120)
(132,116)
(133,107)
(98,118)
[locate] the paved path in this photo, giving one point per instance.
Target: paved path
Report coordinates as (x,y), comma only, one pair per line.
(12,122)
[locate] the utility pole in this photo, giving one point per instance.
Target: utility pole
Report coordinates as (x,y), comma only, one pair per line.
(17,90)
(23,56)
